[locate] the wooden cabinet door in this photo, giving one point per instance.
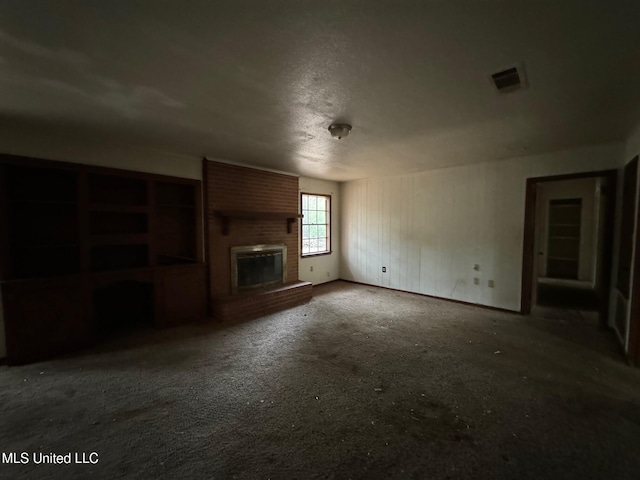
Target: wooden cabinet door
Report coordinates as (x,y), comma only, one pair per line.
(180,294)
(46,319)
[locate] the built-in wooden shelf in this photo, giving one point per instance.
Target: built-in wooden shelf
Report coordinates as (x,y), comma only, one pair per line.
(120,239)
(166,259)
(175,205)
(110,207)
(37,201)
(227,215)
(53,245)
(85,249)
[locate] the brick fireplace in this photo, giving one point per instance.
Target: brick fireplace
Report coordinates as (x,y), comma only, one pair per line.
(247,209)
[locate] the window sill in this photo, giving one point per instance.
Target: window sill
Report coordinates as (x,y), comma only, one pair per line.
(305,255)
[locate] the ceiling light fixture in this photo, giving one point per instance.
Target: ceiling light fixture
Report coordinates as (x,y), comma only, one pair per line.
(339,130)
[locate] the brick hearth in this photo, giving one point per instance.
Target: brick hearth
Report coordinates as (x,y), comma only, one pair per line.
(246,306)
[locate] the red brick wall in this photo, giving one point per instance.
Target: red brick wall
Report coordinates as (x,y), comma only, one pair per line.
(229,187)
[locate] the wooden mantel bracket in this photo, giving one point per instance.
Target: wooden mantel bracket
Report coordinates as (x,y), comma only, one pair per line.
(227,215)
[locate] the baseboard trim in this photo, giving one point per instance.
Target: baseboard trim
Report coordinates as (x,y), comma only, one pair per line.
(460,302)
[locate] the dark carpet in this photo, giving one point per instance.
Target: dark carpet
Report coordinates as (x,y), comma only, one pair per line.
(361,382)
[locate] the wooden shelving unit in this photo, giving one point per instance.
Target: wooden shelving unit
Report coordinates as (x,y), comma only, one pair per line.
(42,212)
(563,244)
(175,204)
(71,235)
(119,227)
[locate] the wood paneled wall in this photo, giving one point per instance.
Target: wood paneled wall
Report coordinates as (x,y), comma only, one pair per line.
(429,229)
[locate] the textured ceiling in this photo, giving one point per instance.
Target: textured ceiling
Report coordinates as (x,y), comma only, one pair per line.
(259,82)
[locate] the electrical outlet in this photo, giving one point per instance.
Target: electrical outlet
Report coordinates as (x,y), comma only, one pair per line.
(476,281)
(384,269)
(311,268)
(328,275)
(491,284)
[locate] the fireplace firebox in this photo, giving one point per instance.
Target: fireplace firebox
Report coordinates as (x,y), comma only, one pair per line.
(258,266)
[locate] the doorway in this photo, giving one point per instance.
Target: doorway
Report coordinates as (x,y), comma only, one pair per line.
(568,243)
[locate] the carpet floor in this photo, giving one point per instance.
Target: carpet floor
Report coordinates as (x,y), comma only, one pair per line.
(360,383)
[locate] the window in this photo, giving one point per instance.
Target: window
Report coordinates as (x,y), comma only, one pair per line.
(316,224)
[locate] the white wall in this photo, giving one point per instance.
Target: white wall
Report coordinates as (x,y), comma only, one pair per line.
(104,152)
(429,229)
(585,189)
(325,267)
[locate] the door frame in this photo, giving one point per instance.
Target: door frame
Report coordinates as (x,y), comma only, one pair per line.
(528,247)
(633,352)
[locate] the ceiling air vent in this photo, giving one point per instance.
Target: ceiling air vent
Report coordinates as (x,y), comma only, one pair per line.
(510,79)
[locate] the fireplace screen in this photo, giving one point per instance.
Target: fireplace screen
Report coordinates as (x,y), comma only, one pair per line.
(257,266)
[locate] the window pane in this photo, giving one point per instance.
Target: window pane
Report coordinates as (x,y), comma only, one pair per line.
(315,224)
